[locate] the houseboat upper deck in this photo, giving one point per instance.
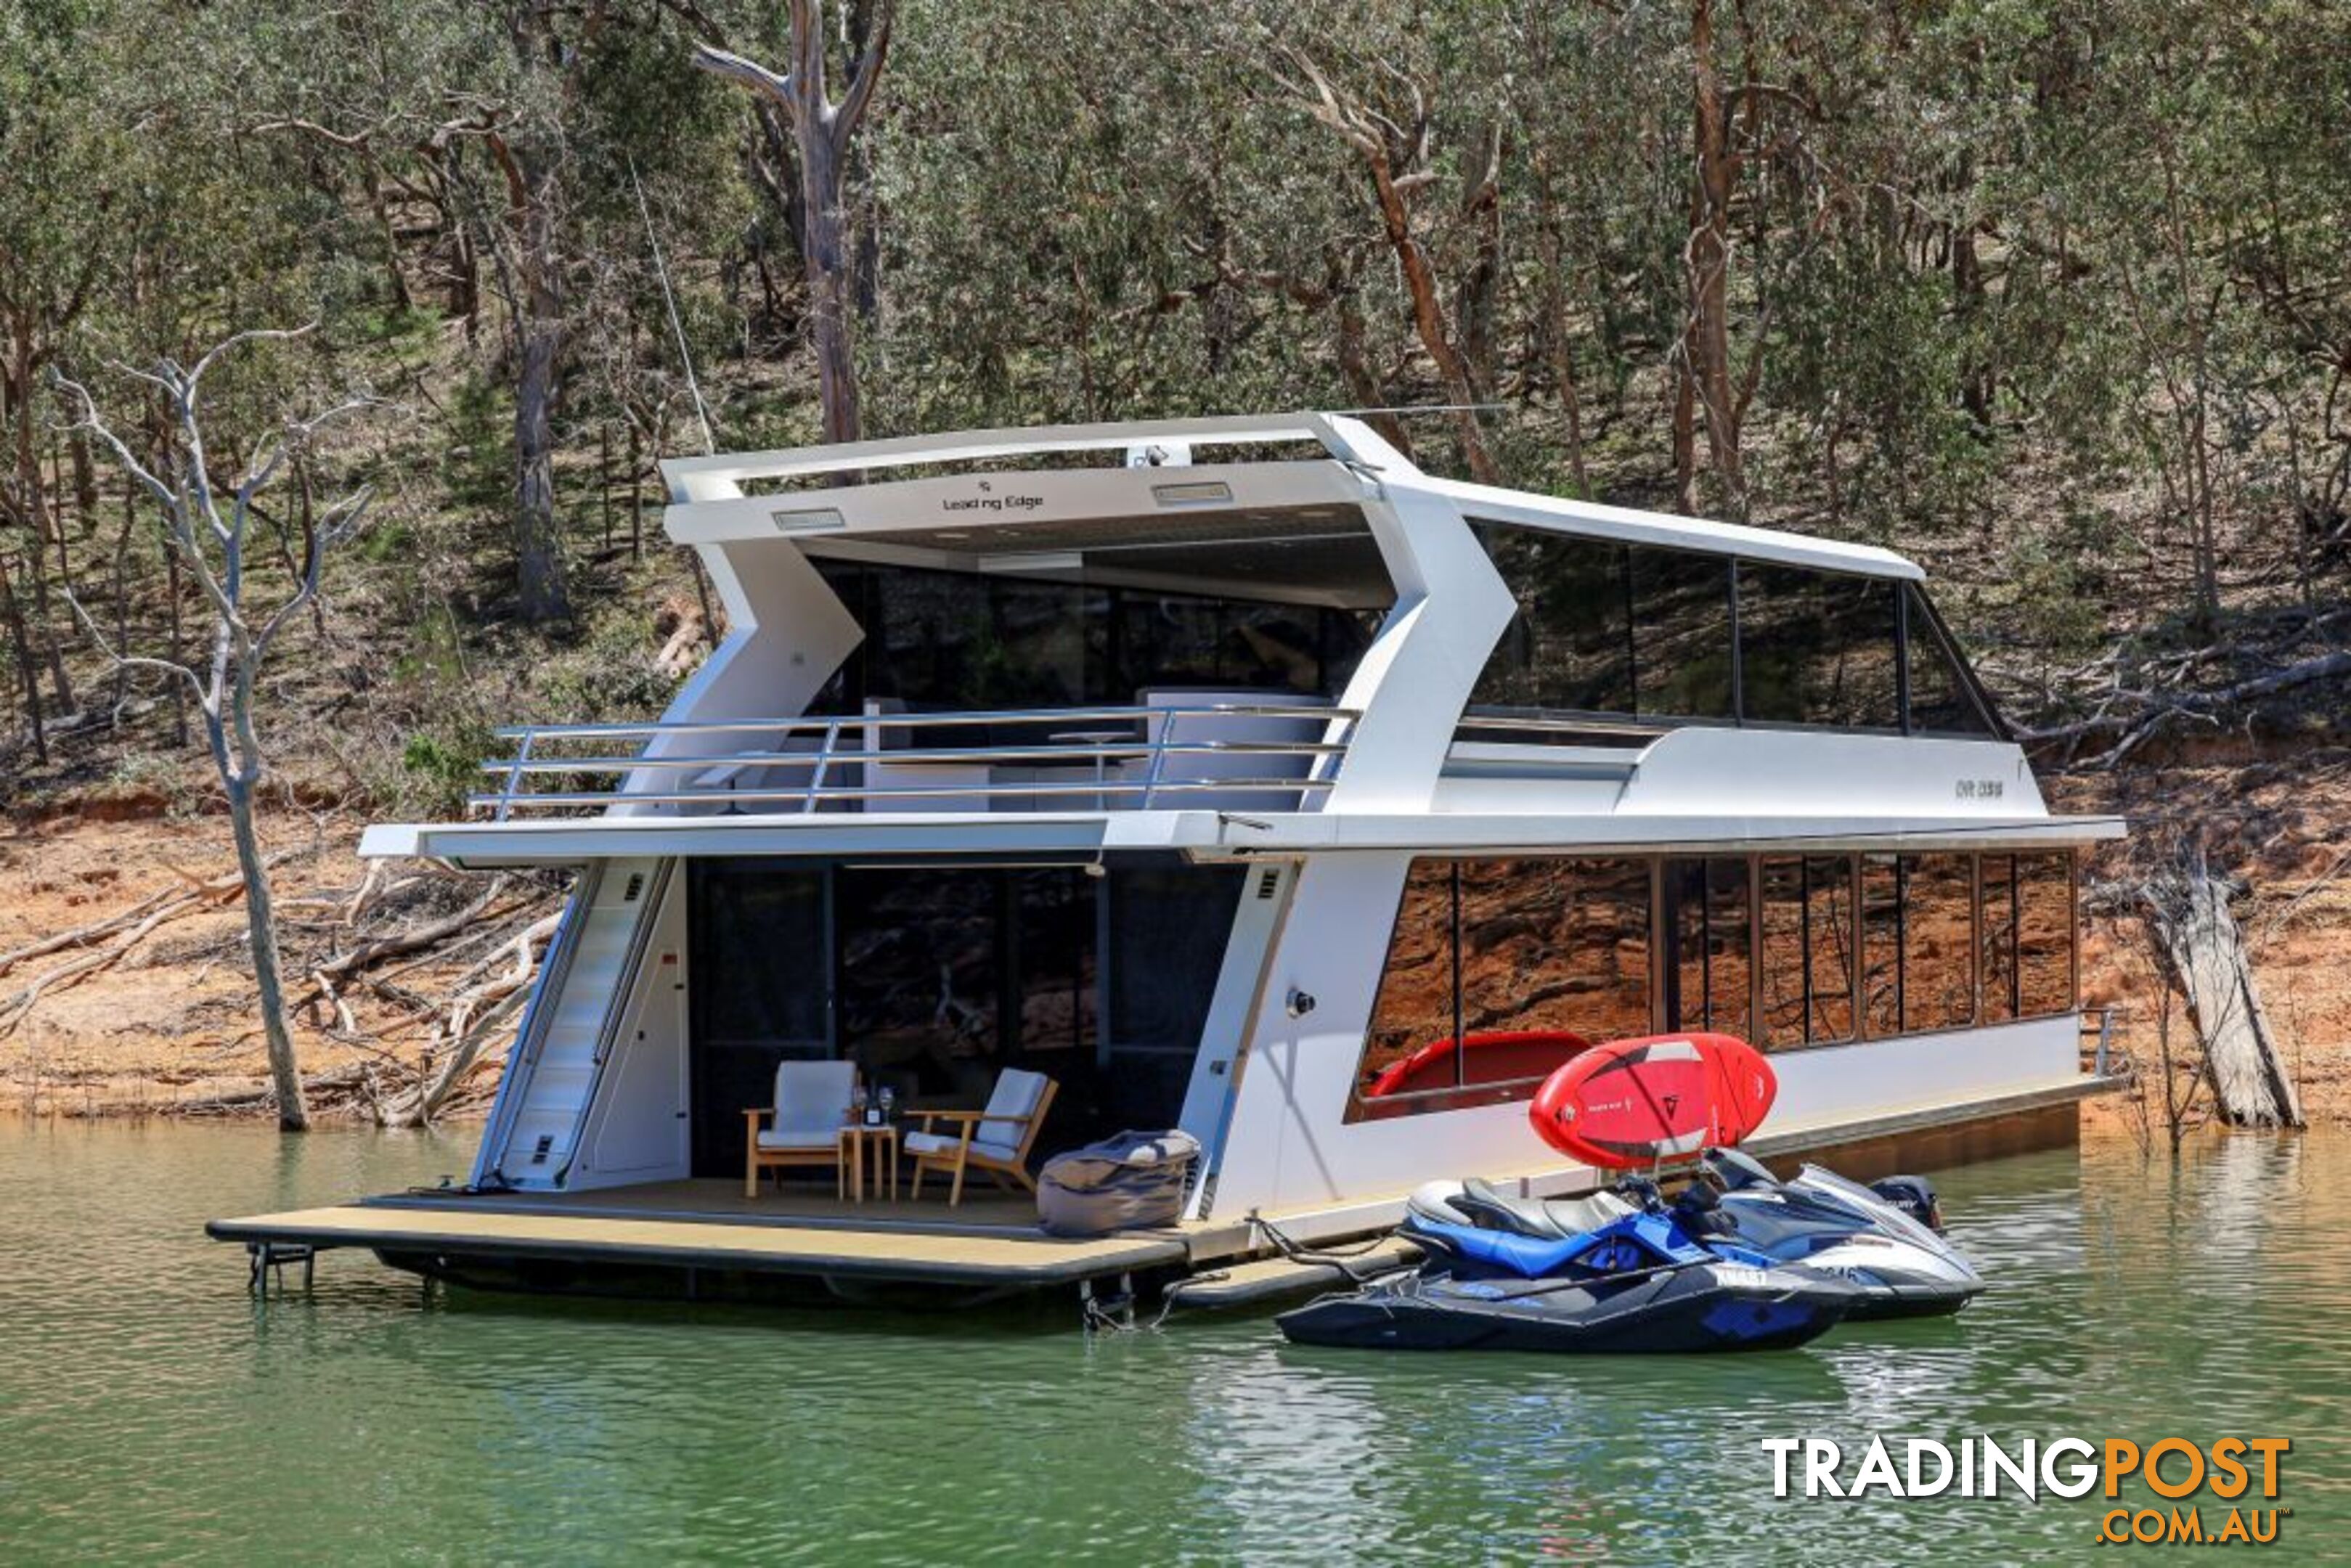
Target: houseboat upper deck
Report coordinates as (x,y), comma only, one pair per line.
(1235,776)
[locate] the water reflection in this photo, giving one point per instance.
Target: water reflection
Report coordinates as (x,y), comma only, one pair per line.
(151,1409)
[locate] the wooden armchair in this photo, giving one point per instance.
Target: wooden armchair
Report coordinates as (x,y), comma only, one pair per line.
(996,1140)
(812,1105)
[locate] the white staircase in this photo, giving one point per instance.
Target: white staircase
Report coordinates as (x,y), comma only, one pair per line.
(535,1126)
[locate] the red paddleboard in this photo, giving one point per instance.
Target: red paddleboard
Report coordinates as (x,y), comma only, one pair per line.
(1501,1057)
(1633,1101)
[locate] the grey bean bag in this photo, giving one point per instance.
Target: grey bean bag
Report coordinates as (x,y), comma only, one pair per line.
(1130,1180)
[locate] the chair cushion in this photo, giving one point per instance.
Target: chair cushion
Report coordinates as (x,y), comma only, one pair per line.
(946,1142)
(789,1139)
(1017,1094)
(813,1097)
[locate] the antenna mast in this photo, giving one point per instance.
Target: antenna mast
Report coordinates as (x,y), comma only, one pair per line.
(685,355)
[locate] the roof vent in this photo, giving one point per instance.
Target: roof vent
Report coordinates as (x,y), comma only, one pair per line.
(1267,880)
(637,887)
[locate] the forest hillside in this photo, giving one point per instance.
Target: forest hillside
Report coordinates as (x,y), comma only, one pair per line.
(2052,295)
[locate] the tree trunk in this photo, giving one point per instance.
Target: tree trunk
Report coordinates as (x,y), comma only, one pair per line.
(1558,341)
(1428,318)
(28,669)
(824,253)
(33,512)
(538,545)
(1710,265)
(261,926)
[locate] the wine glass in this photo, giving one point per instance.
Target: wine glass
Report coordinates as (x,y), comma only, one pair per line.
(857,1103)
(889,1102)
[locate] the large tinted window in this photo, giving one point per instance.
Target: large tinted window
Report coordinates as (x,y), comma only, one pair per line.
(757,941)
(1682,664)
(1417,998)
(946,639)
(1817,648)
(1941,700)
(1570,647)
(1606,629)
(1558,947)
(1498,971)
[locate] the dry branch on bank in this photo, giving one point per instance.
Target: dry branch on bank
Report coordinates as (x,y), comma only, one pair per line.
(120,933)
(2127,717)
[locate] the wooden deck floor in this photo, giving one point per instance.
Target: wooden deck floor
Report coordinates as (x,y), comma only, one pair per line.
(992,1240)
(723,1203)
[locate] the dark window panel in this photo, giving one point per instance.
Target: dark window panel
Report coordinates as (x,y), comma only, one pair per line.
(1415,1003)
(2045,934)
(1817,648)
(1682,886)
(1828,941)
(1996,930)
(1784,959)
(1055,973)
(1681,635)
(1881,945)
(920,977)
(1939,936)
(1730,989)
(1941,699)
(1711,971)
(1168,928)
(758,949)
(963,641)
(1569,649)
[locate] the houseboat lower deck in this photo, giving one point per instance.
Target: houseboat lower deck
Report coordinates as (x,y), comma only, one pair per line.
(703,1238)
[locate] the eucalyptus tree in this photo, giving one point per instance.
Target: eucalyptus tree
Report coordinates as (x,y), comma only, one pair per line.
(210,522)
(824,130)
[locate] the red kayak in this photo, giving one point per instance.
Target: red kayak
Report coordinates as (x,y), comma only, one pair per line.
(1499,1057)
(1634,1102)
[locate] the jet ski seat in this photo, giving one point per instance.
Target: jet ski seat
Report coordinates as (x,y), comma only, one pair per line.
(1589,1212)
(1545,1219)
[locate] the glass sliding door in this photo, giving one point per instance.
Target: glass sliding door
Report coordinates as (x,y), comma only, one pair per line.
(760,992)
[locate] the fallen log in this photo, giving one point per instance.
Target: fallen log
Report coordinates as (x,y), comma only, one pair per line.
(2206,951)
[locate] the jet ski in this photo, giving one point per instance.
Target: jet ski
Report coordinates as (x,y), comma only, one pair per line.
(1636,1284)
(1875,1240)
(1883,1237)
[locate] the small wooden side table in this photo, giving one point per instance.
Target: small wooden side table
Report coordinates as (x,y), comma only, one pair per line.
(854,1140)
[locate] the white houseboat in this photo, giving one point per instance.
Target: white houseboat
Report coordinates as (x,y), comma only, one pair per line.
(1233,775)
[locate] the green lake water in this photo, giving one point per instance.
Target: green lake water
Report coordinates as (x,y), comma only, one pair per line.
(151,1410)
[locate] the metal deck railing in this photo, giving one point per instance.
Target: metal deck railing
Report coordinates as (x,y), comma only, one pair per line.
(1121,758)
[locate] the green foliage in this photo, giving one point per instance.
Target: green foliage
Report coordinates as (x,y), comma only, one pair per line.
(2054,296)
(610,677)
(441,766)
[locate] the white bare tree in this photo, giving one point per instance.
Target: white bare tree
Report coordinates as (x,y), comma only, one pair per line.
(209,529)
